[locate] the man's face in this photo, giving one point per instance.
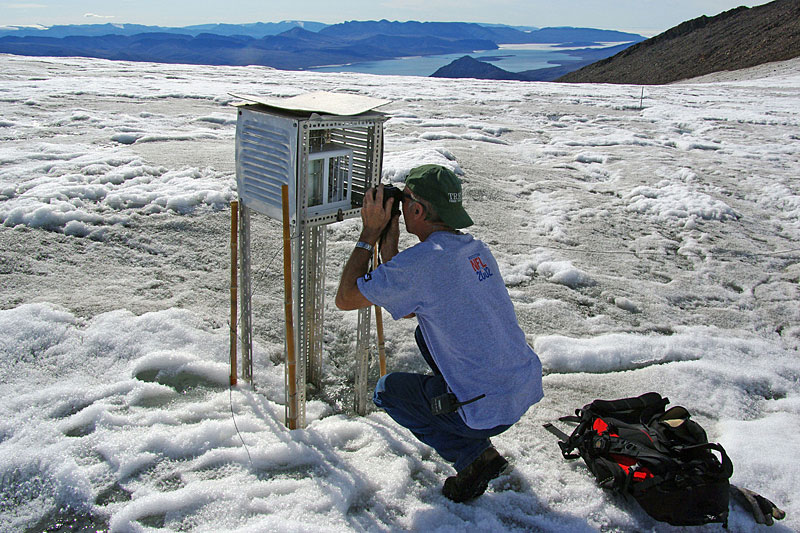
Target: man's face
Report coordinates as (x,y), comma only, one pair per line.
(408,208)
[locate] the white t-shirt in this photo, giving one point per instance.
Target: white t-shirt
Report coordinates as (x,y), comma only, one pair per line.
(452,282)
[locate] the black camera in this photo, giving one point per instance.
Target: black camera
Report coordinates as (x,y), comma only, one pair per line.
(390,191)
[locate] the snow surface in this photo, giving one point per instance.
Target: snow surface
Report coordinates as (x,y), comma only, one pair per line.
(650,247)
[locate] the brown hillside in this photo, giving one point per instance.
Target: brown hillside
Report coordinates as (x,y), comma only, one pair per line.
(736,39)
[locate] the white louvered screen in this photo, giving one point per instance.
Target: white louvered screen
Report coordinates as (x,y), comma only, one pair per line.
(266,158)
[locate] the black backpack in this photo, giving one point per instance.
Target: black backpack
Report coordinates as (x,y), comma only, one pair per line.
(661,458)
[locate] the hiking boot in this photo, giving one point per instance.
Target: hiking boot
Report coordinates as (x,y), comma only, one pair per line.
(472,481)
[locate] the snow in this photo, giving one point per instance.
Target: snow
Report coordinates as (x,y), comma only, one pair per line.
(669,200)
(650,247)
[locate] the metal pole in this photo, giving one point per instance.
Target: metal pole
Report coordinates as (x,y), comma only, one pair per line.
(314,303)
(234,287)
(291,362)
(362,361)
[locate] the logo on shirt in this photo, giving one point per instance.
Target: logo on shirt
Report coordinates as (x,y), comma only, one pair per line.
(479,267)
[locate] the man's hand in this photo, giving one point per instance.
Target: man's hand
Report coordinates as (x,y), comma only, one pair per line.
(374,216)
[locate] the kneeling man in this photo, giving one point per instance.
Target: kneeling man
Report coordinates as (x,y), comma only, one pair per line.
(485,375)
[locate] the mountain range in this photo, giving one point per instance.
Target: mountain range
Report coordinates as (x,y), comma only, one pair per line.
(732,40)
(255,29)
(294,49)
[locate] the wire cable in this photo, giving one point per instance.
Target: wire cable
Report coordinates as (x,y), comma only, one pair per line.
(230,394)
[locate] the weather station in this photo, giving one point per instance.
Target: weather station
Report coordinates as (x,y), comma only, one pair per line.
(306,161)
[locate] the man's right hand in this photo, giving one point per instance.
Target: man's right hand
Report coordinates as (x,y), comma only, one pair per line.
(374,215)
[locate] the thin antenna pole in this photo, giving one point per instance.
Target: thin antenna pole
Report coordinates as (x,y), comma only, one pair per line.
(291,361)
(234,286)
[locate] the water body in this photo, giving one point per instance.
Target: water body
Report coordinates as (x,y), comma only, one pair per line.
(513,58)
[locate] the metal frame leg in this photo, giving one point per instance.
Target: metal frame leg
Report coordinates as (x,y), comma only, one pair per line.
(362,360)
(246,293)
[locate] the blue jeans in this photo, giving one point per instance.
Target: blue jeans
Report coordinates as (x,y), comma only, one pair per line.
(407,398)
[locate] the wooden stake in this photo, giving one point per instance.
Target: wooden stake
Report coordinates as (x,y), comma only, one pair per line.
(379,328)
(234,286)
(291,362)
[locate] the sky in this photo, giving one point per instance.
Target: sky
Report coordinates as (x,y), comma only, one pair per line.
(647,17)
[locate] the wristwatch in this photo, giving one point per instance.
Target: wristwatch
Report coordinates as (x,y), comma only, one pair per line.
(365,245)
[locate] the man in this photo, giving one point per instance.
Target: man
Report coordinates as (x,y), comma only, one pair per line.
(485,376)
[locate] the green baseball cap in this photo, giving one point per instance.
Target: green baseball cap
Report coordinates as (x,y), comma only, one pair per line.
(440,186)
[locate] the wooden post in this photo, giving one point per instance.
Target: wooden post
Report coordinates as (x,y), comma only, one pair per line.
(234,286)
(379,328)
(291,361)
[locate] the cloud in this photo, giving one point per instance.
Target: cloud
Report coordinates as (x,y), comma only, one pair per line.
(96,16)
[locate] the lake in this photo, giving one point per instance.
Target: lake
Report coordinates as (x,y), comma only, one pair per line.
(513,58)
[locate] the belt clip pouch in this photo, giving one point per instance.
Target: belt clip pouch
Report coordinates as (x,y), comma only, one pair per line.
(444,404)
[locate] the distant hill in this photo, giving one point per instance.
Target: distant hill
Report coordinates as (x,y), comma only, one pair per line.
(296,48)
(733,40)
(469,67)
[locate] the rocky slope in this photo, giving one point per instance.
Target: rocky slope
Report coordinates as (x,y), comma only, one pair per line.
(736,39)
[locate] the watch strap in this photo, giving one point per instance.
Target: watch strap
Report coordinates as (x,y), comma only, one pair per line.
(365,245)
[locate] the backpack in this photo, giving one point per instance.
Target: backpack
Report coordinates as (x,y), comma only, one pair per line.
(660,458)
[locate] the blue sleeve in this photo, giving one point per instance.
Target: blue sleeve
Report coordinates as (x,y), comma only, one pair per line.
(398,286)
